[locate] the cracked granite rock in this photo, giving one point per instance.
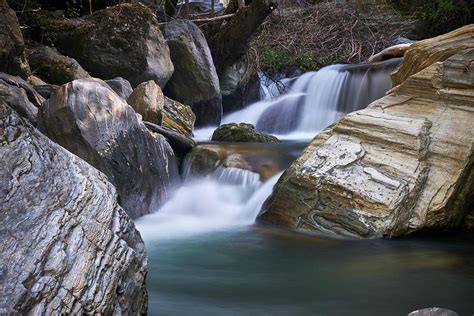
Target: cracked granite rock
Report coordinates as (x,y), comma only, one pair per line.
(67,247)
(403,164)
(89,119)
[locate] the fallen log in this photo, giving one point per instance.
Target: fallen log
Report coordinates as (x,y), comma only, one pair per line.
(177,141)
(390,52)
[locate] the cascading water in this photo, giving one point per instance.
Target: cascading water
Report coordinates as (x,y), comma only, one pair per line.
(225,198)
(231,196)
(314,100)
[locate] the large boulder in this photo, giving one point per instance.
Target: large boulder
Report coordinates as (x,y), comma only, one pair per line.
(12,47)
(402,165)
(90,120)
(67,246)
(241,132)
(54,68)
(120,41)
(194,81)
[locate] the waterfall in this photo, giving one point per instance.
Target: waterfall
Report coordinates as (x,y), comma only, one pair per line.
(228,197)
(236,176)
(314,100)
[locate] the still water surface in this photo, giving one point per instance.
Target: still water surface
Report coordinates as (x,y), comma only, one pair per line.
(256,271)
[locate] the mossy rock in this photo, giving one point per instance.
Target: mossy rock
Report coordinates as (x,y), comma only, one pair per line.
(120,41)
(241,133)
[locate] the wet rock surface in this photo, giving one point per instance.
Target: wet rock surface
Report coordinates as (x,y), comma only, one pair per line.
(89,119)
(67,246)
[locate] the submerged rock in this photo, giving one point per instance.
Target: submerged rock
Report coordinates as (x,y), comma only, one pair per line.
(67,246)
(206,158)
(12,47)
(194,80)
(434,311)
(89,119)
(121,86)
(53,67)
(242,132)
(402,165)
(120,41)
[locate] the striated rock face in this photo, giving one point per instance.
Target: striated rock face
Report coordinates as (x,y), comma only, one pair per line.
(195,80)
(53,67)
(90,120)
(241,132)
(427,52)
(67,246)
(12,47)
(402,165)
(120,41)
(148,100)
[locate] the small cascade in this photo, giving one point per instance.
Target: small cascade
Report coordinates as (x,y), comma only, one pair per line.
(314,100)
(236,176)
(224,199)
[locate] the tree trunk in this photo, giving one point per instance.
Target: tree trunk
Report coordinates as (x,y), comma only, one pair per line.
(229,41)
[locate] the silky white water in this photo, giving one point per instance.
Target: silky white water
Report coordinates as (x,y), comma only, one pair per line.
(299,108)
(228,197)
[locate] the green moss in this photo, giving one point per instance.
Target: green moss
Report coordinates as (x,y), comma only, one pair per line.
(241,133)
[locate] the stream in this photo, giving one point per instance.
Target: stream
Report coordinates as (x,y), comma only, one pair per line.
(206,256)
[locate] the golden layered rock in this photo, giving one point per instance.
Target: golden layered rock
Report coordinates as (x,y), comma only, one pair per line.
(427,52)
(401,165)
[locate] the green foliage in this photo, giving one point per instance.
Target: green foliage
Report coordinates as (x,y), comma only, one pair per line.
(442,16)
(438,16)
(275,60)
